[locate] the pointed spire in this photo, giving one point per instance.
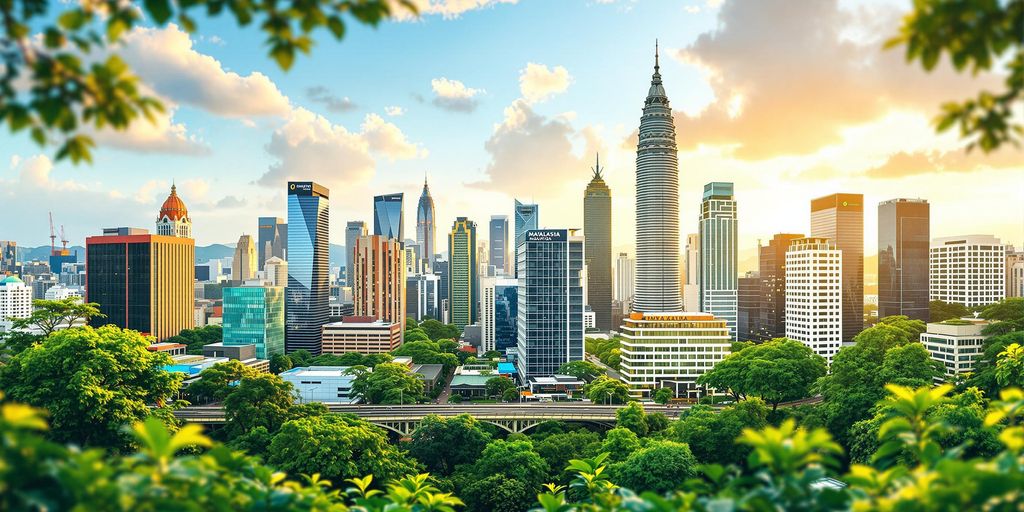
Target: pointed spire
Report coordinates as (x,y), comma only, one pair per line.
(597,168)
(656,66)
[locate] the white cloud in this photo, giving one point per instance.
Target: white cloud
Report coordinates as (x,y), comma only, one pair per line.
(322,95)
(162,135)
(447,9)
(166,60)
(454,95)
(394,111)
(537,82)
(309,147)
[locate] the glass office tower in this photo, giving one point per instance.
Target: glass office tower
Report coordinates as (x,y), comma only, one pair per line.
(272,239)
(719,287)
(254,315)
(840,217)
(388,215)
(307,298)
(499,243)
(904,237)
(527,217)
(550,295)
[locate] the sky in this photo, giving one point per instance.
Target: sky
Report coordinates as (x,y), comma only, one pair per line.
(492,100)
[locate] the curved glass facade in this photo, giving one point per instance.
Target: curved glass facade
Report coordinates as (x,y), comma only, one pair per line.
(306,298)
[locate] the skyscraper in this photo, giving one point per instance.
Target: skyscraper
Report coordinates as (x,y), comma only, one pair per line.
(276,272)
(15,301)
(9,257)
(657,205)
(840,217)
(254,315)
(499,243)
(426,236)
(771,261)
(748,308)
(379,289)
(904,237)
(463,274)
(243,266)
(550,309)
(422,296)
(353,230)
(814,308)
(307,297)
(718,272)
(141,281)
(272,240)
(625,269)
(691,262)
(597,227)
(527,217)
(389,215)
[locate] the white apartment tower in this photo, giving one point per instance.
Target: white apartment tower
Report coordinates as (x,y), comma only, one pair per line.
(625,270)
(814,298)
(15,301)
(968,270)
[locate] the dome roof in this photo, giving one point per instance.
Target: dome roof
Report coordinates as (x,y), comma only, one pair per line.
(173,208)
(11,280)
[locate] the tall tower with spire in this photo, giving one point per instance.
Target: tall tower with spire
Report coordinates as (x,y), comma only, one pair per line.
(597,228)
(425,231)
(657,204)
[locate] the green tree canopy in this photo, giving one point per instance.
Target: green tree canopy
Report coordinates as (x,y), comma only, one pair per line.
(441,444)
(93,382)
(496,386)
(939,311)
(661,466)
(262,400)
(196,338)
(663,396)
(437,331)
(388,383)
(50,315)
(605,389)
(301,357)
(415,334)
(777,371)
(560,448)
(620,443)
(428,352)
(280,363)
(510,459)
(583,370)
(338,447)
(980,36)
(711,434)
(632,417)
(217,381)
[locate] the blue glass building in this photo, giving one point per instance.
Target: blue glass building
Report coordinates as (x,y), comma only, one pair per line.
(719,285)
(550,294)
(499,243)
(388,215)
(527,217)
(506,313)
(308,294)
(254,315)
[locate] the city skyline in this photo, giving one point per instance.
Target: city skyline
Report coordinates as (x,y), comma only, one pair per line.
(230,160)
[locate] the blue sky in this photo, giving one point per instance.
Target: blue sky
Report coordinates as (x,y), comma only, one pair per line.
(791,100)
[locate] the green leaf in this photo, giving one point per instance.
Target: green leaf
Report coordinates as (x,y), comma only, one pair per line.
(73,19)
(160,10)
(284,54)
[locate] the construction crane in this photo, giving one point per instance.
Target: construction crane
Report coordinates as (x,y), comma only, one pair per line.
(53,237)
(63,240)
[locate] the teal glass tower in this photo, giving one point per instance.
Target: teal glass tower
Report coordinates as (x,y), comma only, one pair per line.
(307,298)
(254,315)
(719,286)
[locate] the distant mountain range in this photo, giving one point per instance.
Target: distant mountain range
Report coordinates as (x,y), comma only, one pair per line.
(204,253)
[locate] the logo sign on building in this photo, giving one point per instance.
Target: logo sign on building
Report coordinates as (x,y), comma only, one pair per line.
(546,235)
(300,188)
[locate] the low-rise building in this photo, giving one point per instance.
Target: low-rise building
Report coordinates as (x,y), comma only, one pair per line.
(555,386)
(431,375)
(957,344)
(171,349)
(362,334)
(325,384)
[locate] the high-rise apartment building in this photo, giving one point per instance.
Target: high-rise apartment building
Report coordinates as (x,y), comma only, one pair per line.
(625,270)
(968,270)
(718,270)
(657,205)
(1014,272)
(499,244)
(840,218)
(550,310)
(243,267)
(389,216)
(903,245)
(15,301)
(174,219)
(463,285)
(597,227)
(307,296)
(426,230)
(671,350)
(276,271)
(422,293)
(141,281)
(691,265)
(254,315)
(272,240)
(771,262)
(527,218)
(353,230)
(814,295)
(379,289)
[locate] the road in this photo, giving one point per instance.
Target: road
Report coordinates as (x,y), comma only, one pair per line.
(607,369)
(580,411)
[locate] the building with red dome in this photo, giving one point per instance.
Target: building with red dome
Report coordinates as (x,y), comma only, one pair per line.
(173,219)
